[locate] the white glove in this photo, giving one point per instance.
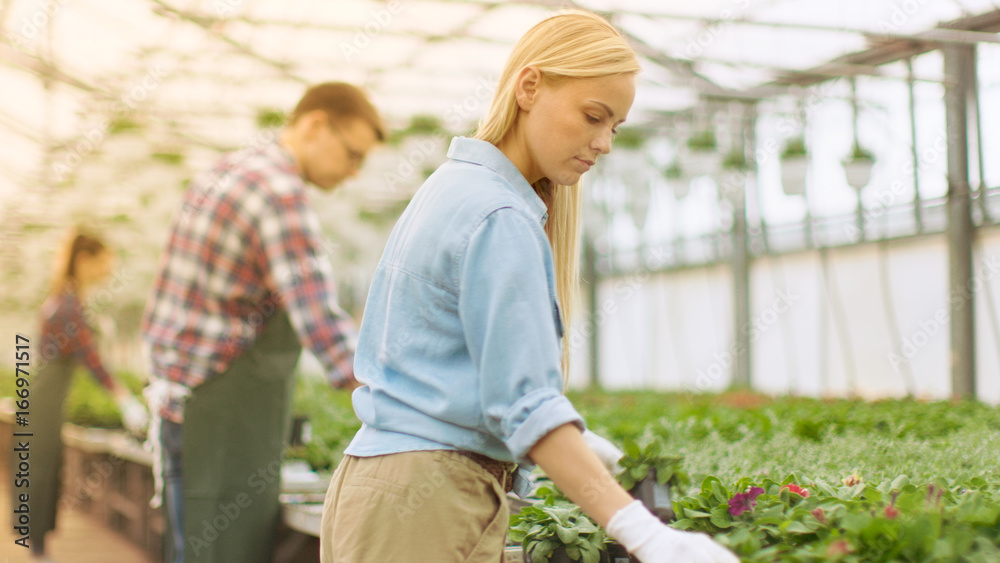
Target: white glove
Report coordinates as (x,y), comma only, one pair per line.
(607,452)
(651,541)
(135,417)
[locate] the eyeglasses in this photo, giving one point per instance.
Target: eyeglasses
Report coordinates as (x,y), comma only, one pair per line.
(356,157)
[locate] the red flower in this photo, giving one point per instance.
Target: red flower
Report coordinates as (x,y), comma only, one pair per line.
(891,512)
(742,502)
(797,490)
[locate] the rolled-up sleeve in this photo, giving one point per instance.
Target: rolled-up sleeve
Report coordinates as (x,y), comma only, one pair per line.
(508,317)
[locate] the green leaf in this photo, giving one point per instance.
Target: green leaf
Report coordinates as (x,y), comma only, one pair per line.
(796,527)
(590,553)
(899,482)
(567,535)
(720,517)
(632,449)
(719,492)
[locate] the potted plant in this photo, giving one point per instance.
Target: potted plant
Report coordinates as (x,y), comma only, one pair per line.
(557,531)
(735,160)
(858,167)
(703,159)
(630,138)
(648,475)
(794,162)
(677,181)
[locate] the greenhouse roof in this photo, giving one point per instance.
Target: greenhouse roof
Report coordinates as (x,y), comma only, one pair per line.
(202,72)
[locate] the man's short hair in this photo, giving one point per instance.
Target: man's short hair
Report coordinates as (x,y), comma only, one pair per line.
(340,101)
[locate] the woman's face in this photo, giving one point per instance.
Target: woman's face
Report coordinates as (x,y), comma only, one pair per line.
(94,268)
(568,124)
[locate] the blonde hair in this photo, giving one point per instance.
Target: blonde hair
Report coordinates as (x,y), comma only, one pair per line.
(569,44)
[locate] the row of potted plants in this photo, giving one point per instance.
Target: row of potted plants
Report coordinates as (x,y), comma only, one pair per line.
(798,519)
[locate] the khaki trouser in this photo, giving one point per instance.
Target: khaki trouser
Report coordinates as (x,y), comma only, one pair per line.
(414,506)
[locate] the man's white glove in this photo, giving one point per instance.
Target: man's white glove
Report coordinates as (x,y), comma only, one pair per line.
(135,417)
(651,541)
(607,452)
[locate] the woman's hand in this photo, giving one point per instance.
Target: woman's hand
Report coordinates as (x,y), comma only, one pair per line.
(135,417)
(565,456)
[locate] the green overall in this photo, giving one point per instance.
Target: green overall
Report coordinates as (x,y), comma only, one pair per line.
(49,388)
(234,432)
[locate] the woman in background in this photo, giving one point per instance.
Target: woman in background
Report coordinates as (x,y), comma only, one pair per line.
(462,351)
(65,340)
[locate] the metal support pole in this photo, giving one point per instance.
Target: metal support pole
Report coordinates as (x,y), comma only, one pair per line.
(741,260)
(859,212)
(918,209)
(976,121)
(960,226)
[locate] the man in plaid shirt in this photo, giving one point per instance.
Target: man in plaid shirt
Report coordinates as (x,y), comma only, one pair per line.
(244,284)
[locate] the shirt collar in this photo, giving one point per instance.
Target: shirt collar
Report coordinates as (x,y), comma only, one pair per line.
(282,157)
(486,154)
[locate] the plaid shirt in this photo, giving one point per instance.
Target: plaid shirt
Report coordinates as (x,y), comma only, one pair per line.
(66,333)
(244,244)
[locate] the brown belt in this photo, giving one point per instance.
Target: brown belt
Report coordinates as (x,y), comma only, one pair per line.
(502,471)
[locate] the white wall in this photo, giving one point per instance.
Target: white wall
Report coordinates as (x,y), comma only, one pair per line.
(674,331)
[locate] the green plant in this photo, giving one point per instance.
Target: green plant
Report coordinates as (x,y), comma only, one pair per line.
(735,160)
(794,148)
(268,118)
(122,125)
(858,154)
(638,461)
(702,141)
(545,526)
(945,520)
(673,172)
(629,138)
(169,157)
(423,125)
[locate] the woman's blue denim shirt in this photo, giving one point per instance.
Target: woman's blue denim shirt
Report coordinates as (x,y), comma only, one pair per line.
(460,343)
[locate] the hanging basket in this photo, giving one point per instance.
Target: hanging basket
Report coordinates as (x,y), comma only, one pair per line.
(793,174)
(681,187)
(858,172)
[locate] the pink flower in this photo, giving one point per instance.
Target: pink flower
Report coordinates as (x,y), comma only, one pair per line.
(792,487)
(819,515)
(838,548)
(891,512)
(742,502)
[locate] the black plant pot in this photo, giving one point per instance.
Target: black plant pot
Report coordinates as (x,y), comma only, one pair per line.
(655,497)
(618,554)
(559,556)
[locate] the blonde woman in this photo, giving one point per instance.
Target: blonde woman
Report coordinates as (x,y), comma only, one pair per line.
(460,348)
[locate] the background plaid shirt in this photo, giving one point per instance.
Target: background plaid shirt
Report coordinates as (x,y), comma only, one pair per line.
(65,328)
(244,245)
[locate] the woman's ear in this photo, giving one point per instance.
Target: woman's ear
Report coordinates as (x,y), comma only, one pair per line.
(526,87)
